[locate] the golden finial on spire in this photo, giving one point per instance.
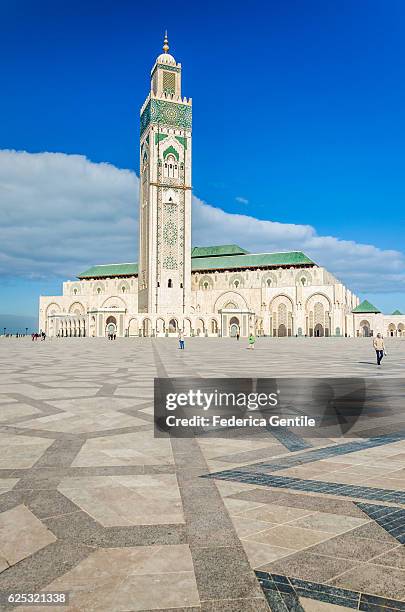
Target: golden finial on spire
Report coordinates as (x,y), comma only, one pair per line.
(166,43)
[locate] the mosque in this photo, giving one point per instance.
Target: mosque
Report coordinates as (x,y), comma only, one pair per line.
(220,290)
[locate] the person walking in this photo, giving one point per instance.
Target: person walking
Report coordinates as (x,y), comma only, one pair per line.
(379,347)
(181,340)
(237,335)
(251,341)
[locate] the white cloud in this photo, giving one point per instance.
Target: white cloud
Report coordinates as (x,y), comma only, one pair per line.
(61,213)
(242,200)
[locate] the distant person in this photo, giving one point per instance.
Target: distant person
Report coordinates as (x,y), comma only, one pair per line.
(114,336)
(237,335)
(43,336)
(379,347)
(251,341)
(181,340)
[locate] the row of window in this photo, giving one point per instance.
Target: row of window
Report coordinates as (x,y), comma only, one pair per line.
(236,284)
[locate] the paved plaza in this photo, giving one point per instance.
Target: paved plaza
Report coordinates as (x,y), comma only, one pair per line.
(93,505)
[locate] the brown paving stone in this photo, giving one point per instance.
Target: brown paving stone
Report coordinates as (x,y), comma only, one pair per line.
(332,523)
(309,566)
(347,546)
(311,605)
(314,503)
(287,536)
(261,554)
(235,605)
(248,526)
(373,531)
(394,558)
(223,572)
(374,579)
(274,514)
(21,534)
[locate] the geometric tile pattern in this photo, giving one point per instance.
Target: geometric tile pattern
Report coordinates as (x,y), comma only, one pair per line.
(288,438)
(391,519)
(328,452)
(124,521)
(283,593)
(313,486)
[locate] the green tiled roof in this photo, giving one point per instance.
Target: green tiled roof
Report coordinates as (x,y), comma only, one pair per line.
(214,261)
(365,307)
(397,312)
(217,251)
(107,270)
(259,260)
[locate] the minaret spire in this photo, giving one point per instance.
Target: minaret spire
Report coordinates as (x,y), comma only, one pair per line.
(166,43)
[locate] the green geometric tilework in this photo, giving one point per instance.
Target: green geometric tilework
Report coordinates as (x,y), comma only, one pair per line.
(166,113)
(170,150)
(159,137)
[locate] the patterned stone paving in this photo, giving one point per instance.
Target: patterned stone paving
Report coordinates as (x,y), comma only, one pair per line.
(91,503)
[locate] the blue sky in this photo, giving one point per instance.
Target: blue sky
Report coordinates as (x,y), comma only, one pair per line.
(298,109)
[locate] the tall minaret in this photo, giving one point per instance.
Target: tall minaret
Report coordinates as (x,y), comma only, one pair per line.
(165,193)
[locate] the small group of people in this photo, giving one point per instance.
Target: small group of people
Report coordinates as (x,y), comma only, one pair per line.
(112,336)
(11,335)
(35,336)
(378,344)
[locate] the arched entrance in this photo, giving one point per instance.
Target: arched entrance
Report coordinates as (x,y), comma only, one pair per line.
(160,326)
(365,329)
(392,330)
(146,328)
(318,330)
(282,331)
(173,326)
(200,327)
(133,327)
(187,327)
(234,327)
(111,326)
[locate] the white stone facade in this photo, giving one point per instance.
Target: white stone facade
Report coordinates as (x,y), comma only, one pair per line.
(225,292)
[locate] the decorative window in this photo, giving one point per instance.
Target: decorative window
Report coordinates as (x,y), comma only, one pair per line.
(169,82)
(171,167)
(303,278)
(236,281)
(98,290)
(268,282)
